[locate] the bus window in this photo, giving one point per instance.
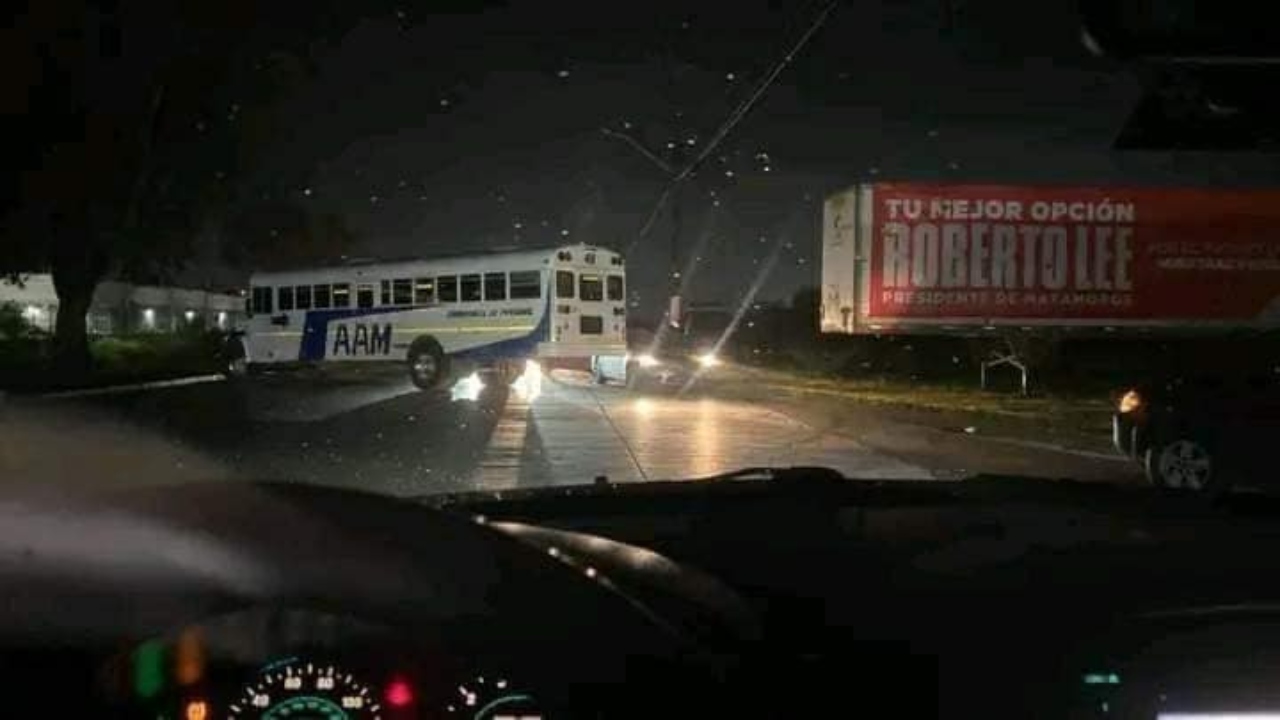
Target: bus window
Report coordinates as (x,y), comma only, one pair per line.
(526,285)
(470,288)
(386,293)
(615,287)
(364,296)
(590,287)
(448,288)
(495,286)
(341,295)
(284,298)
(320,296)
(302,297)
(564,284)
(402,291)
(262,299)
(424,291)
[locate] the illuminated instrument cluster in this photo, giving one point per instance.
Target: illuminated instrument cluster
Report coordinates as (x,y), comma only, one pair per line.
(208,673)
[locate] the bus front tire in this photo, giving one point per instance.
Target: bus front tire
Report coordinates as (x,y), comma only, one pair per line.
(428,365)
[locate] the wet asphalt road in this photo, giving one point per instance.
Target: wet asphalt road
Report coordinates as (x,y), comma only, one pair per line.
(374,431)
(370,429)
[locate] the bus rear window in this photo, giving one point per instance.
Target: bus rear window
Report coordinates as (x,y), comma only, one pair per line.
(615,287)
(320,295)
(470,288)
(447,287)
(341,295)
(495,286)
(402,291)
(526,285)
(590,287)
(564,284)
(284,298)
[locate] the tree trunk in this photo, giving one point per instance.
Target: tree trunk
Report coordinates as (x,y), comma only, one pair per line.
(75,286)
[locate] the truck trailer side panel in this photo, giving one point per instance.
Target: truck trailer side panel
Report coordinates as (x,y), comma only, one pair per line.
(941,257)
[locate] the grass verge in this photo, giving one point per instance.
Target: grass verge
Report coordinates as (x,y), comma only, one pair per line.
(118,360)
(1076,421)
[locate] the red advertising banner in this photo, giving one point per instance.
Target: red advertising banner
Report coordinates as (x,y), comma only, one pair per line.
(1131,255)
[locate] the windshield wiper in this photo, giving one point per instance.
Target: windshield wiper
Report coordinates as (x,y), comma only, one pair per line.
(799,473)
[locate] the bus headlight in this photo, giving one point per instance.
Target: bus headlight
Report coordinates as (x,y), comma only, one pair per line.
(708,360)
(646,360)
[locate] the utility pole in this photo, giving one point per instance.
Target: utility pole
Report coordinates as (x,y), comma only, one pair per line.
(675,311)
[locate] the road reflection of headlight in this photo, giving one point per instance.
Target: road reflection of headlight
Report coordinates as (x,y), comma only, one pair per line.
(708,360)
(467,388)
(529,385)
(646,360)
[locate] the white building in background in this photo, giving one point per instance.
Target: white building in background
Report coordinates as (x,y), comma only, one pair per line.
(124,308)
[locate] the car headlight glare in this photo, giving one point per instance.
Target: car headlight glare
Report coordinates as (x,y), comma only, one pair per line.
(1130,402)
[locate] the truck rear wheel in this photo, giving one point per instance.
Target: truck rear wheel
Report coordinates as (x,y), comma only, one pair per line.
(428,365)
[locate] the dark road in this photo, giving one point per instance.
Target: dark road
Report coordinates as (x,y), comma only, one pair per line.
(374,431)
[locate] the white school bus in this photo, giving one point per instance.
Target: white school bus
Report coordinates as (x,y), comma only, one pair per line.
(490,311)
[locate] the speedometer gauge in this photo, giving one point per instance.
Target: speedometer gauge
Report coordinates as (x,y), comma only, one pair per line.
(304,691)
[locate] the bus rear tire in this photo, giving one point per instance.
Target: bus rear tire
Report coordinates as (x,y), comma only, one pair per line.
(428,365)
(510,371)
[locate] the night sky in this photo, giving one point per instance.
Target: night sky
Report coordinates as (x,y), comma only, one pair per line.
(481,127)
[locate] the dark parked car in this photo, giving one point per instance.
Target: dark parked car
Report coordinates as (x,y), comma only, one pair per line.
(1201,431)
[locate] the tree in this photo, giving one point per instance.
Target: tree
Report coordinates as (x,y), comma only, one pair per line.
(282,234)
(138,117)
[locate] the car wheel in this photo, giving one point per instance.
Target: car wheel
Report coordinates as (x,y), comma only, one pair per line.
(1184,463)
(636,378)
(235,363)
(428,365)
(597,375)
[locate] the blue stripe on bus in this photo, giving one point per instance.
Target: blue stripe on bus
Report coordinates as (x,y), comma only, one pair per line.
(315,330)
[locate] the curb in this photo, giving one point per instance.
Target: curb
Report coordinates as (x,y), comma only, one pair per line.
(132,387)
(1053,447)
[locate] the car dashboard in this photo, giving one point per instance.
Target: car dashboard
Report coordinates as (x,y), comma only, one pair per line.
(858,601)
(280,663)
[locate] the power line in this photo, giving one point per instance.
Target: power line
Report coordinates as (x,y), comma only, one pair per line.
(735,117)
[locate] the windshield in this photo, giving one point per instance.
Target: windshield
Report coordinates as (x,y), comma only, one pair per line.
(416,250)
